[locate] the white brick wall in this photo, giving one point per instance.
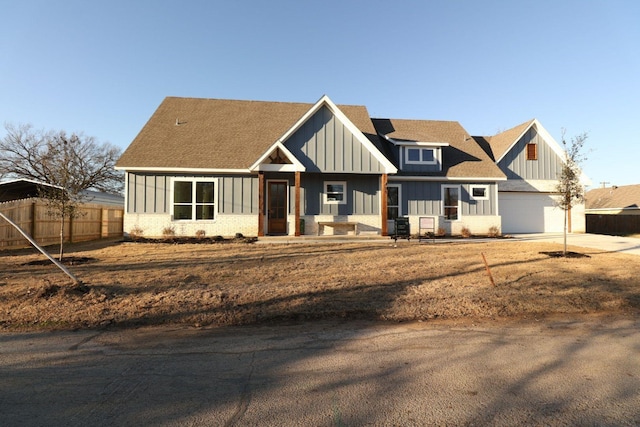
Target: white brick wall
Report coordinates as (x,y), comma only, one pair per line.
(477,224)
(152,225)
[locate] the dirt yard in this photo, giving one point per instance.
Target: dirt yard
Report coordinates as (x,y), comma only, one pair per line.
(130,284)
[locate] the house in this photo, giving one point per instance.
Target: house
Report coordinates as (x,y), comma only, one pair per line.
(266,168)
(613,210)
(532,162)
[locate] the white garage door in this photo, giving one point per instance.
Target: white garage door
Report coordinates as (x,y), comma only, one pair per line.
(530,213)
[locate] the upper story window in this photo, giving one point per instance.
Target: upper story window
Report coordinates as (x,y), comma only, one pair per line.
(193,199)
(532,151)
(421,155)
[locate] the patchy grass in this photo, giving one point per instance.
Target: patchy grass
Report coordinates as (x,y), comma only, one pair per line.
(130,284)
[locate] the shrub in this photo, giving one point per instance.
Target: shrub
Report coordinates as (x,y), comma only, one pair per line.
(200,234)
(494,231)
(441,232)
(169,231)
(136,232)
(466,233)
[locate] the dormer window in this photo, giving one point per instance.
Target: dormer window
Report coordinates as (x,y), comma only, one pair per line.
(421,155)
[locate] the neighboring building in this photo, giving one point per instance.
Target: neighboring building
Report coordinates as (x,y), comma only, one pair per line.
(613,210)
(256,168)
(17,189)
(101,215)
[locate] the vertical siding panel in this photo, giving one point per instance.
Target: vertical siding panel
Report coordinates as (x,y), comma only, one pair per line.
(339,149)
(139,189)
(131,193)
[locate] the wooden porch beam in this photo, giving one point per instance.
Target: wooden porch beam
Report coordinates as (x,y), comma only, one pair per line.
(297,207)
(261,206)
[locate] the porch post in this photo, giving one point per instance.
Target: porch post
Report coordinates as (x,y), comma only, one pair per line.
(297,207)
(383,204)
(260,204)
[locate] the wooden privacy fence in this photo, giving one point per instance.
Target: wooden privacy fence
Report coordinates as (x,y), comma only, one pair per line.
(613,224)
(33,216)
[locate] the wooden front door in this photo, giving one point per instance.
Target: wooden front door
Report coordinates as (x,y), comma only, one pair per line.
(277,207)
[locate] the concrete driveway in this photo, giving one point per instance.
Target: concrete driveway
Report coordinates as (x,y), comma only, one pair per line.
(555,373)
(626,245)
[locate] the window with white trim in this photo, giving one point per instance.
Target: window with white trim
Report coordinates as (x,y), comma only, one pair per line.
(393,202)
(421,155)
(193,199)
(335,192)
(479,192)
(451,202)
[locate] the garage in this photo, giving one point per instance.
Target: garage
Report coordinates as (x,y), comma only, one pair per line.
(529,213)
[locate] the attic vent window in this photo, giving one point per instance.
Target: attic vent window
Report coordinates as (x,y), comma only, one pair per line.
(279,158)
(532,151)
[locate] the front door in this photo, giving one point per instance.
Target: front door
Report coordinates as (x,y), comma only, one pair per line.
(277,207)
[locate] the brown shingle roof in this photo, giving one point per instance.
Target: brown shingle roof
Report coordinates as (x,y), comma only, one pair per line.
(463,158)
(627,196)
(217,133)
(501,142)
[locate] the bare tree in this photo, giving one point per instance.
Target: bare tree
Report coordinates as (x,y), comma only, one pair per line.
(569,184)
(70,164)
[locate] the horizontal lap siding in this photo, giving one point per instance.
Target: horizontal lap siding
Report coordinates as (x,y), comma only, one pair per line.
(516,166)
(151,194)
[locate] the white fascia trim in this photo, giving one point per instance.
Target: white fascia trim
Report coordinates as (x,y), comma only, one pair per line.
(277,168)
(546,136)
(33,181)
(417,143)
(549,140)
(515,141)
(443,178)
(182,170)
(557,148)
(389,167)
(296,165)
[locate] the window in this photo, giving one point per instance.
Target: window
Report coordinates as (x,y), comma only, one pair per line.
(479,192)
(532,151)
(451,202)
(420,155)
(335,192)
(193,199)
(393,202)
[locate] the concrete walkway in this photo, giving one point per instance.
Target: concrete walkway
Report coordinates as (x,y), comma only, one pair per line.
(626,245)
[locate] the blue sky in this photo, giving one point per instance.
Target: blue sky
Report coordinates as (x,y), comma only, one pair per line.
(102,67)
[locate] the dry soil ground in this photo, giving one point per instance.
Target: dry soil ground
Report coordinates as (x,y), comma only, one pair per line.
(128,284)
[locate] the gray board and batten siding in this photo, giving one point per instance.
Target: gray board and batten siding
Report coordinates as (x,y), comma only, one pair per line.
(363,194)
(419,198)
(151,193)
(516,166)
(238,195)
(324,144)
